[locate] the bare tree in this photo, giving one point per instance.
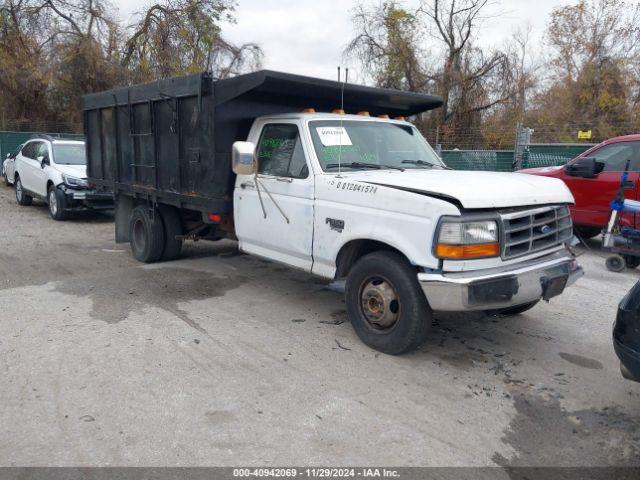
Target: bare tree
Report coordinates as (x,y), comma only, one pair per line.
(387,41)
(454,23)
(184,36)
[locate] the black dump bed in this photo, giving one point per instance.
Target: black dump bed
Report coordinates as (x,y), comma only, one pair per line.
(171,140)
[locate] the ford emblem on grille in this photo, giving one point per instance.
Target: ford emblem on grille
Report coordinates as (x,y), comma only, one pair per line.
(545,229)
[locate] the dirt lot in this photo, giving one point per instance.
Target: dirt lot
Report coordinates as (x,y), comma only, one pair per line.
(224,360)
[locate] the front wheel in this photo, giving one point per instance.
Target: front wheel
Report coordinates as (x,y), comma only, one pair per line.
(57,203)
(385,303)
(21,197)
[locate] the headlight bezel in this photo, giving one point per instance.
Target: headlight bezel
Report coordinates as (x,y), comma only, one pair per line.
(75,182)
(469,250)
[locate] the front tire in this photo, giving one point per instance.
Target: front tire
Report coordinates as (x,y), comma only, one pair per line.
(21,197)
(146,234)
(56,203)
(386,305)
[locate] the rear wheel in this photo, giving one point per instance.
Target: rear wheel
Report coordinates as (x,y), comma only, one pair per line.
(146,234)
(615,263)
(57,203)
(385,303)
(21,197)
(631,261)
(172,229)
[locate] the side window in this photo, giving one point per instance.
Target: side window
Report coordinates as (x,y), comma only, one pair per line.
(43,150)
(280,152)
(28,150)
(615,156)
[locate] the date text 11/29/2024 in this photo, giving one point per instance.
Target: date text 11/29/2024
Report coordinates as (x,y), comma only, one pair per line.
(318,472)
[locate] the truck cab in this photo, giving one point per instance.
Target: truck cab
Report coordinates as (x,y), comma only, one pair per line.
(334,194)
(361,199)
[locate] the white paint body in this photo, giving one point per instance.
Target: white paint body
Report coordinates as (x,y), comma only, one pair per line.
(398,208)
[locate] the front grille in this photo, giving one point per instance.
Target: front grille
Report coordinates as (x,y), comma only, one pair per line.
(530,231)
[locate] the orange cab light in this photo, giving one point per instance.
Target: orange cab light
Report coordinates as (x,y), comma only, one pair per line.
(401,118)
(383,116)
(214,217)
(309,110)
(339,111)
(457,252)
(364,113)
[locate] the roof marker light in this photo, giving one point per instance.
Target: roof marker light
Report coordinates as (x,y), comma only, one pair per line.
(309,110)
(339,111)
(364,113)
(401,118)
(383,116)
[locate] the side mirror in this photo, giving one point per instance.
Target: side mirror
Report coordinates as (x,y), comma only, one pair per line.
(587,167)
(243,158)
(43,161)
(8,155)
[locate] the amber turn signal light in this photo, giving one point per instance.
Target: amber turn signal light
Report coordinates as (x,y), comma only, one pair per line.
(460,252)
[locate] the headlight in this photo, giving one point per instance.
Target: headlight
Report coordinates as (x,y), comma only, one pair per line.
(74,182)
(462,240)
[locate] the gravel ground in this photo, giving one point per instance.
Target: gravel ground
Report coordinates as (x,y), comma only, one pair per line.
(218,359)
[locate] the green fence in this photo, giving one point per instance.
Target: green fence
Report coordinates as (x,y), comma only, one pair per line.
(536,155)
(9,141)
(493,160)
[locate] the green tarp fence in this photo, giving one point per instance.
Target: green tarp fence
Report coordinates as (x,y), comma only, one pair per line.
(537,155)
(9,141)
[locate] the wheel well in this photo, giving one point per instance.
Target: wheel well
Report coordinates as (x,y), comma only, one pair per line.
(49,184)
(354,250)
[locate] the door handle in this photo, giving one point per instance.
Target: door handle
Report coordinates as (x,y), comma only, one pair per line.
(284,179)
(247,185)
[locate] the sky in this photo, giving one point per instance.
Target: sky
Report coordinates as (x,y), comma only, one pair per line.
(308,37)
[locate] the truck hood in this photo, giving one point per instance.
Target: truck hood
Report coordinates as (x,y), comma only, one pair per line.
(78,171)
(471,188)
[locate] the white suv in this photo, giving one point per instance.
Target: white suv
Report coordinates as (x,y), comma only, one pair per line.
(55,171)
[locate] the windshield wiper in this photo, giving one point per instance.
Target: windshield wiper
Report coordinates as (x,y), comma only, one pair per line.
(363,165)
(426,164)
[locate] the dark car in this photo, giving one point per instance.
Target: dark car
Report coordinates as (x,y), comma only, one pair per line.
(626,334)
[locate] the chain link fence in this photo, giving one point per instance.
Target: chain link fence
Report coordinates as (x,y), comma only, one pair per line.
(10,141)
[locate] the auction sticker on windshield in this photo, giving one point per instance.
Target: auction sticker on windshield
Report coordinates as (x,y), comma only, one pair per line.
(333,136)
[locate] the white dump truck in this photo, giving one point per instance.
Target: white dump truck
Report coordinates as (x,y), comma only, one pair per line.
(273,160)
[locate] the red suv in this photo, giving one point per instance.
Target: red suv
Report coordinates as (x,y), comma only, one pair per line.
(594,179)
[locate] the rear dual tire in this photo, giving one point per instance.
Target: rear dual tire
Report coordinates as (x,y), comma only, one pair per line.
(152,234)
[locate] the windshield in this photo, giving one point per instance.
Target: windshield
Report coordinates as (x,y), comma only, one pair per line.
(69,154)
(359,145)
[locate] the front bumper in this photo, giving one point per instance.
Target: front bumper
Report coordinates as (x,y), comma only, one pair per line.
(501,287)
(77,199)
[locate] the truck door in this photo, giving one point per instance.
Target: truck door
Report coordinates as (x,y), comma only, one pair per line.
(274,210)
(593,195)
